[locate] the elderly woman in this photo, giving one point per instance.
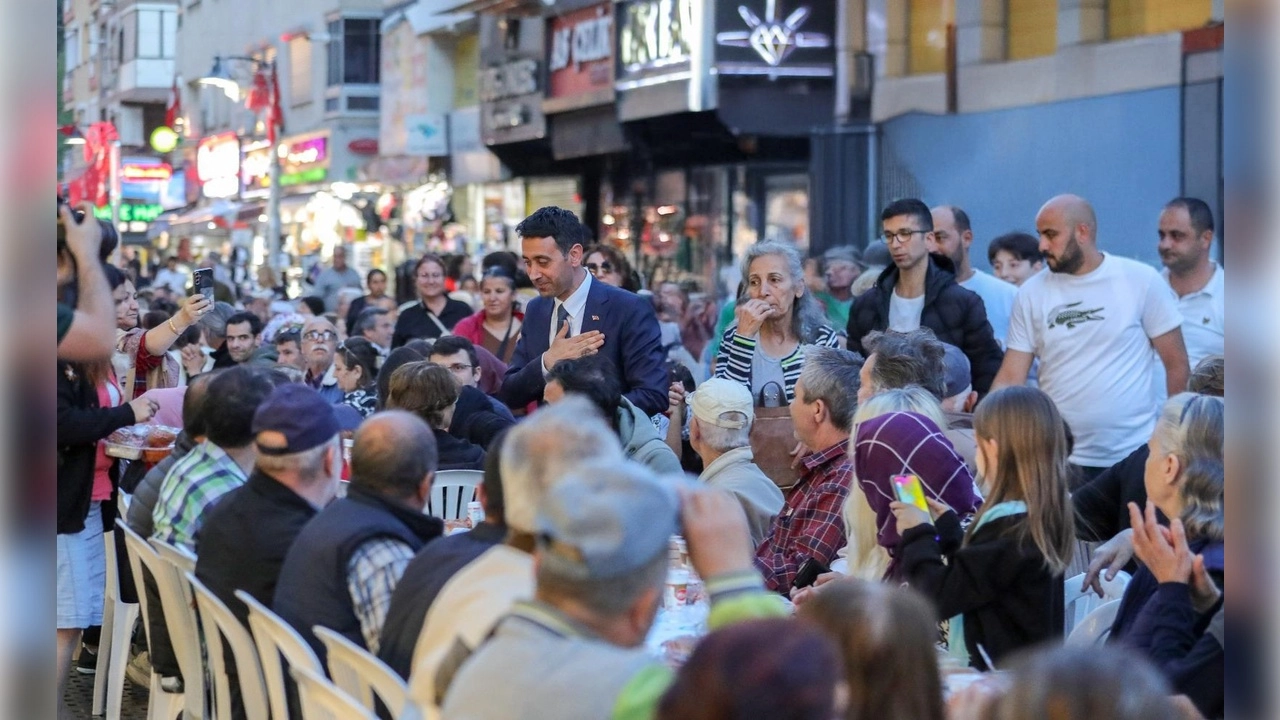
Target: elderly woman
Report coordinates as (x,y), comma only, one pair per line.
(431,392)
(435,313)
(496,327)
(764,348)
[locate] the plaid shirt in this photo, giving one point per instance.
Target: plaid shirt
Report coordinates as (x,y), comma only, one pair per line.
(811,524)
(372,575)
(192,486)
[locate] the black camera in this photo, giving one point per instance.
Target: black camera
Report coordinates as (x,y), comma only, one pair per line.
(110,238)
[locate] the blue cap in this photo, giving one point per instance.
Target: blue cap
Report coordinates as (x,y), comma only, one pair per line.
(292,419)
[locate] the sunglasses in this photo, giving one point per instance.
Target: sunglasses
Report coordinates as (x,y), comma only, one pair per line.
(602,267)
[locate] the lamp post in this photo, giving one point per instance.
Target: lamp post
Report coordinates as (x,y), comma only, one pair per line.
(219,77)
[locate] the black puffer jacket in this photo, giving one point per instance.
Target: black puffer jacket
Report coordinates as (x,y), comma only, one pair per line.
(954,314)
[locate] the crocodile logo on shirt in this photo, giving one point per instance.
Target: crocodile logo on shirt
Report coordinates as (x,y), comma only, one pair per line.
(1069,316)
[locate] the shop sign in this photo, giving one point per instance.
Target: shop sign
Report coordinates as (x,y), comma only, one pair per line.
(426,134)
(255,169)
(145,172)
(655,36)
(304,160)
(131,213)
(775,38)
(580,59)
(508,80)
(218,165)
(512,101)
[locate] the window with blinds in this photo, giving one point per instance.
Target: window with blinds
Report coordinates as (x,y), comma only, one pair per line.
(300,91)
(1130,18)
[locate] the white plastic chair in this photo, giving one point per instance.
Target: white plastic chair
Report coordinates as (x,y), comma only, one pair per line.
(118,619)
(1077,603)
(1095,627)
(221,625)
(361,675)
(451,491)
(180,619)
(321,699)
(275,637)
(162,705)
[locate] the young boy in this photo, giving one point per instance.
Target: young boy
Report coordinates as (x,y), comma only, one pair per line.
(1014,257)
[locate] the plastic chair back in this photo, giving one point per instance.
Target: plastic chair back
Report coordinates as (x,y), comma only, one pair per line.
(1095,627)
(274,638)
(1077,603)
(221,626)
(142,555)
(320,699)
(118,618)
(451,491)
(179,609)
(361,675)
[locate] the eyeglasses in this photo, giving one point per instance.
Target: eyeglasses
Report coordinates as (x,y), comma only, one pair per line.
(458,367)
(320,335)
(902,236)
(602,267)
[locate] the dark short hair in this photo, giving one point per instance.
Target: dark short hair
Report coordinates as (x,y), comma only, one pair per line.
(504,259)
(553,222)
(289,336)
(424,389)
(910,206)
(451,344)
(368,319)
(359,352)
(154,318)
(314,304)
(233,398)
(393,461)
(594,377)
(368,278)
(422,346)
(1021,245)
(960,216)
(1201,215)
(396,359)
(193,404)
(903,359)
(255,322)
(428,258)
(1209,377)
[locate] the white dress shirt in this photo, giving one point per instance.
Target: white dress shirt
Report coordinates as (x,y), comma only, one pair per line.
(576,306)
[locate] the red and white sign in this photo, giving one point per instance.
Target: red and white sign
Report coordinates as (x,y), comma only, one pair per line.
(580,59)
(145,173)
(218,165)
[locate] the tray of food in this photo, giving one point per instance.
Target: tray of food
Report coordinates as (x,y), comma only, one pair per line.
(150,443)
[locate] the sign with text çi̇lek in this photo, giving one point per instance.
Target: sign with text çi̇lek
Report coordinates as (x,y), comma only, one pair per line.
(580,59)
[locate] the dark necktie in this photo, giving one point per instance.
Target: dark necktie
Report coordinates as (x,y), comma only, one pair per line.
(562,319)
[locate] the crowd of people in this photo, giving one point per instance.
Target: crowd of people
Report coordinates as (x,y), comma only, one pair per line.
(883,468)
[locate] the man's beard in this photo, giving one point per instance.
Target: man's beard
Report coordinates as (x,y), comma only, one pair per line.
(1072,258)
(1179,264)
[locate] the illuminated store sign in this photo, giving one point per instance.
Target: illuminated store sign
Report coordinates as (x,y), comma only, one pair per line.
(775,38)
(218,165)
(304,160)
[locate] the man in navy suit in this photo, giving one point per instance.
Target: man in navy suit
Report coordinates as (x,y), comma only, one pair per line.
(575,315)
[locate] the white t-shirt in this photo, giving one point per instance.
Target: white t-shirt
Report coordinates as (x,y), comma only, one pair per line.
(997,295)
(904,313)
(1092,335)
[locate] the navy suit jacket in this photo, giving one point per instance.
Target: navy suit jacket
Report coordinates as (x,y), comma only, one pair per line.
(632,341)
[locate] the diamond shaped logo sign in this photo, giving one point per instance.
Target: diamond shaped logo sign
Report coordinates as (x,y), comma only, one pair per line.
(773,38)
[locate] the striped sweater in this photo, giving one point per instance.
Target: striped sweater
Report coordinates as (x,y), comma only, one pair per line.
(736,352)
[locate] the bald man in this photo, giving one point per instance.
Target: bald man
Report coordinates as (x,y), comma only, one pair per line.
(1097,323)
(346,562)
(319,343)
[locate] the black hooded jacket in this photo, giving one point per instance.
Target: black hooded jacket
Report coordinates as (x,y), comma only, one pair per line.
(954,314)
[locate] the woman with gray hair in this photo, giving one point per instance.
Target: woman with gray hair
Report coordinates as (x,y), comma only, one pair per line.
(1184,479)
(775,318)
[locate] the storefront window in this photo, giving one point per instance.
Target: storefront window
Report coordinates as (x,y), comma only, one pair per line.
(787,210)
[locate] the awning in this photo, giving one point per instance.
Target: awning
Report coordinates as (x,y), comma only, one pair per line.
(220,212)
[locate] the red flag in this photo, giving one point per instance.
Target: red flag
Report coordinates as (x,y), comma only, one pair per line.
(258,97)
(275,114)
(173,108)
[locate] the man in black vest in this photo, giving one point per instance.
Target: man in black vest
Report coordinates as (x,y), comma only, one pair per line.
(344,565)
(245,538)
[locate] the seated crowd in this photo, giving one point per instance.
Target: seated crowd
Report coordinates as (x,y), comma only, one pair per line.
(884,514)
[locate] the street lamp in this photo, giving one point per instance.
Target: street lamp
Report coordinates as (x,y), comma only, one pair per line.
(220,78)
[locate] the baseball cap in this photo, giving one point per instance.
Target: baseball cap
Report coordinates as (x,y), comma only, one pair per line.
(957,372)
(606,520)
(847,253)
(719,402)
(877,253)
(292,419)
